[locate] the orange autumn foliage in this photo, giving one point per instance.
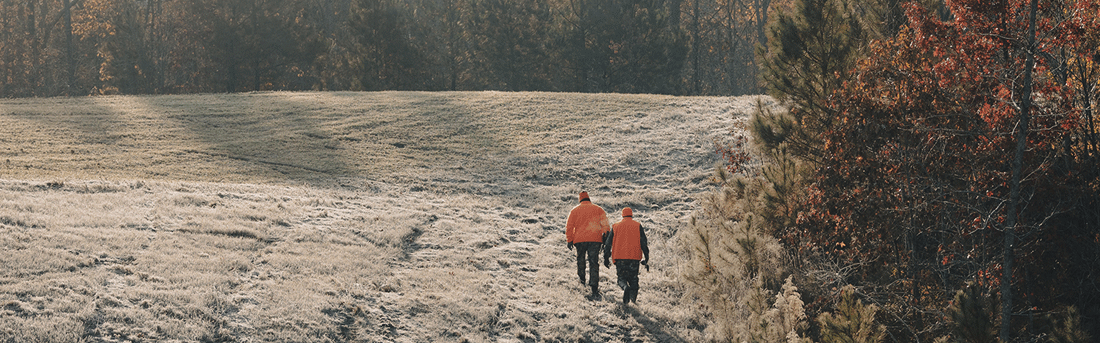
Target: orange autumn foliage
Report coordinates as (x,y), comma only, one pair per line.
(911,189)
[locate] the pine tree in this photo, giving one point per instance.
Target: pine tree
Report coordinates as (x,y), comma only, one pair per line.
(971,314)
(808,55)
(1068,328)
(785,322)
(852,322)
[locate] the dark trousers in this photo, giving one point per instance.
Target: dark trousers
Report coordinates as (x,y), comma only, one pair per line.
(592,249)
(627,271)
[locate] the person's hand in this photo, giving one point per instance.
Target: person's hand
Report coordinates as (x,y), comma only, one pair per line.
(646,264)
(569,244)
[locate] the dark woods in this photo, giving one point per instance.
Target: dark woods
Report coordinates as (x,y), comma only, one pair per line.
(935,161)
(82,47)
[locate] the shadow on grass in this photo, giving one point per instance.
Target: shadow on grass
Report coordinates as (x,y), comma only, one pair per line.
(264,135)
(656,328)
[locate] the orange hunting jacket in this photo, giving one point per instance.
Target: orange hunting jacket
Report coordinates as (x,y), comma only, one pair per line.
(587,223)
(627,241)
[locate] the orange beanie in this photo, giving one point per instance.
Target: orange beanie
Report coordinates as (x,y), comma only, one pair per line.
(627,212)
(584,196)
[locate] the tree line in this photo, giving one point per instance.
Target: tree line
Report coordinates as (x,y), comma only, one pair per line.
(82,47)
(931,173)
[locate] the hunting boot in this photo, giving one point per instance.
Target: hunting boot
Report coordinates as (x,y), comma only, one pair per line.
(595,293)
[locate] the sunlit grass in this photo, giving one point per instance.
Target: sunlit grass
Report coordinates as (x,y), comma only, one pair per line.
(314,217)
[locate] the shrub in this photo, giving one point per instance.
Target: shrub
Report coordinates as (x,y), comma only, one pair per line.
(734,262)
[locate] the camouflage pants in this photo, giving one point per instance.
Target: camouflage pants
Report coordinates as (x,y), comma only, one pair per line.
(592,250)
(627,271)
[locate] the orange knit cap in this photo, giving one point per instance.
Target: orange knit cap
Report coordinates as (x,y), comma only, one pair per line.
(584,196)
(627,212)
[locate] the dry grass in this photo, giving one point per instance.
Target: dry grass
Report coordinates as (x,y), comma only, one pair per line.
(316,217)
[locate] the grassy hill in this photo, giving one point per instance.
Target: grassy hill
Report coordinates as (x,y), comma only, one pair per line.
(316,217)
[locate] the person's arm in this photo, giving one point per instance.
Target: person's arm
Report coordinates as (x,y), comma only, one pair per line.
(645,247)
(608,238)
(605,224)
(570,227)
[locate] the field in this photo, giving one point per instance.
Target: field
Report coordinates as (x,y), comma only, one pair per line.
(318,217)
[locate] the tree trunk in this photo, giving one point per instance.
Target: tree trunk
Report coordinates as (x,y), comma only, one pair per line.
(674,15)
(696,36)
(30,62)
(29,12)
(1090,145)
(70,64)
(257,42)
(155,45)
(1014,187)
(762,21)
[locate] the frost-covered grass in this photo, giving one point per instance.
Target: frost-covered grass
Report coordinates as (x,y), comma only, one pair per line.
(313,217)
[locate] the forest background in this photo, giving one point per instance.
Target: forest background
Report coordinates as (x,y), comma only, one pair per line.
(932,176)
(82,47)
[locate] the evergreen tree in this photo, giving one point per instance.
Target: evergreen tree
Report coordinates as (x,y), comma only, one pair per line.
(808,54)
(851,322)
(1068,328)
(972,314)
(735,263)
